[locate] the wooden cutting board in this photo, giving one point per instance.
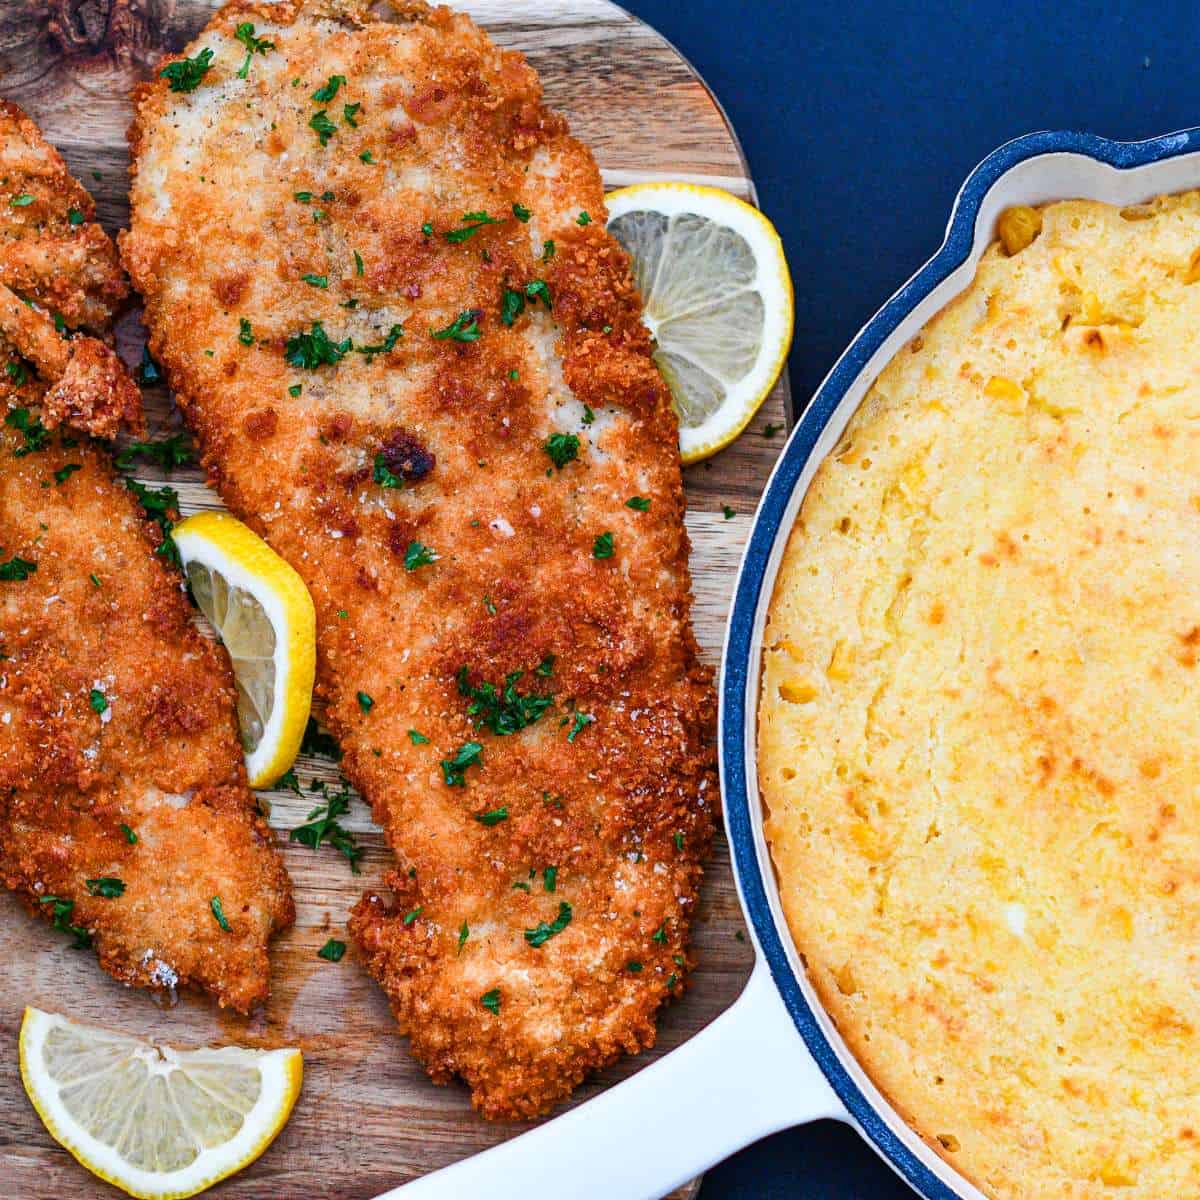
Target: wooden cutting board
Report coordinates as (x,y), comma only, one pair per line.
(368,1118)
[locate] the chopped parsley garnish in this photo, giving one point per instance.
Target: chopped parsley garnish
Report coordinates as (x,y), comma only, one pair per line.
(473,222)
(332,951)
(218,912)
(491,1001)
(303,197)
(491,608)
(602,546)
(660,934)
(322,826)
(588,415)
(148,371)
(427,229)
(75,217)
(295,389)
(417,737)
(366,157)
(562,448)
(494,817)
(98,700)
(324,94)
(547,251)
(521,212)
(464,328)
(521,886)
(454,770)
(66,471)
(412,915)
(317,742)
(546,667)
(365,702)
(582,721)
(358,263)
(245,332)
(95,579)
(167,453)
(24,200)
(538,289)
(543,932)
(728,512)
(317,281)
(254,45)
(106,886)
(62,921)
(512,305)
(502,710)
(349,112)
(17,372)
(633,965)
(130,836)
(678,840)
(419,555)
(393,336)
(185,74)
(583,219)
(288,782)
(638,503)
(550,878)
(313,349)
(159,504)
(322,126)
(671,981)
(384,476)
(769,430)
(463,933)
(16,570)
(35,433)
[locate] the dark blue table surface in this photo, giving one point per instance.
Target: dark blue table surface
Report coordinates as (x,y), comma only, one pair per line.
(860,120)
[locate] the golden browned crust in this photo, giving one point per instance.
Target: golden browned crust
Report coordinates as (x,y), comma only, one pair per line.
(621,810)
(978,737)
(119,753)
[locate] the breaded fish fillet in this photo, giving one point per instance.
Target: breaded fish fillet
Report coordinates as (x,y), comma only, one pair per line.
(376,270)
(124,811)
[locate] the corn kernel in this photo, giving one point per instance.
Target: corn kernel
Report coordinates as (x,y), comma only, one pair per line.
(1017,227)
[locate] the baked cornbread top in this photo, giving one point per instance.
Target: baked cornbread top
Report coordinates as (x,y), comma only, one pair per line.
(979,735)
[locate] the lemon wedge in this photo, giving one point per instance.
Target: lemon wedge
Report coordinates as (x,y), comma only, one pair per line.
(263,613)
(156,1122)
(718,301)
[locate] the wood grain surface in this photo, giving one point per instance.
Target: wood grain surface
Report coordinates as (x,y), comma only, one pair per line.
(368,1117)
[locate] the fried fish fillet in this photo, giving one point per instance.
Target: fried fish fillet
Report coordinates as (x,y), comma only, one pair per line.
(376,270)
(124,809)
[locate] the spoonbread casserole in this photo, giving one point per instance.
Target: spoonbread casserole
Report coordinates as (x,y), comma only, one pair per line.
(979,731)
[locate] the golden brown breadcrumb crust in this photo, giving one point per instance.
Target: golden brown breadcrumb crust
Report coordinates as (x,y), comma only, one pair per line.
(539,913)
(119,754)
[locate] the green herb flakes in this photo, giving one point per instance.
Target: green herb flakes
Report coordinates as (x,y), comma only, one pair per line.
(185,74)
(602,546)
(105,886)
(543,931)
(464,328)
(454,770)
(491,1001)
(332,951)
(562,448)
(218,912)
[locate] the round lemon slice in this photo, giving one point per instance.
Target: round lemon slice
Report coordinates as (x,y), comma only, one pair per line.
(156,1122)
(718,301)
(263,613)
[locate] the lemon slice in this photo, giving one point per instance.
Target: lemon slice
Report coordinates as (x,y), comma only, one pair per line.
(156,1122)
(263,613)
(718,301)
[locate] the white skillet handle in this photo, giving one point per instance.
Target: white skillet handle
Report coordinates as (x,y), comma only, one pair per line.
(744,1076)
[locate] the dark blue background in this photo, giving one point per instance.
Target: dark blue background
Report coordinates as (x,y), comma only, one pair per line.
(860,120)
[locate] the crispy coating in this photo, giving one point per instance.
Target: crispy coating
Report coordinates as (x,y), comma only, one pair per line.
(539,914)
(119,754)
